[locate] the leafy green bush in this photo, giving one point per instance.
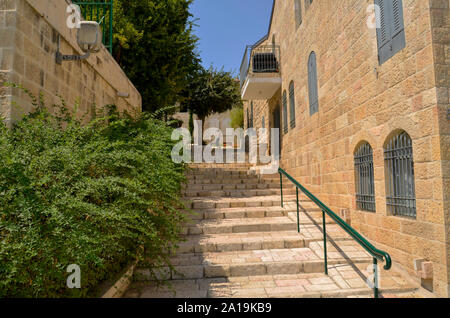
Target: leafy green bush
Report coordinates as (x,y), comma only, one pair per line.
(90,195)
(237,117)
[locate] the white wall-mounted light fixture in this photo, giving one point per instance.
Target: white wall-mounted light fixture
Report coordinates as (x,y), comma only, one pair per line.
(123,94)
(89,39)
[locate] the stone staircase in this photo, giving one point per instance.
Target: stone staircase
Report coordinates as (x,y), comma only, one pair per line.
(242,243)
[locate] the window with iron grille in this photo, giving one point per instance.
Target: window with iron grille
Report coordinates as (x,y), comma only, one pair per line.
(285,114)
(364,178)
(400,184)
(292,104)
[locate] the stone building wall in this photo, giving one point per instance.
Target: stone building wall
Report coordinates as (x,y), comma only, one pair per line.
(440,22)
(29,30)
(359,100)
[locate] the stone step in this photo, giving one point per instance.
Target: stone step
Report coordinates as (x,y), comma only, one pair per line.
(217,169)
(342,281)
(231,180)
(221,173)
(245,263)
(239,213)
(259,240)
(233,186)
(246,225)
(223,180)
(311,217)
(236,193)
(224,203)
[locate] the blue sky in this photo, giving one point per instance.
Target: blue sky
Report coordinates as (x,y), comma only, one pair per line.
(225,27)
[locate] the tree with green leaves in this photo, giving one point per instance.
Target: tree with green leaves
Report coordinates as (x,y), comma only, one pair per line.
(212,91)
(155,45)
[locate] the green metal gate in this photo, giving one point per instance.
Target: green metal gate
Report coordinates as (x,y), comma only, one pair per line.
(101,11)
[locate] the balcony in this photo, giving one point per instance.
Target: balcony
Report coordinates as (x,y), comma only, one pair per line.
(260,72)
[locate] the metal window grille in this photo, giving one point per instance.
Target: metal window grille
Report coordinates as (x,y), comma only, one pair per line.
(100,11)
(292,104)
(400,185)
(365,185)
(285,115)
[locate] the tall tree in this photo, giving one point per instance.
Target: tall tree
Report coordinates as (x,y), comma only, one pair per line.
(155,45)
(212,91)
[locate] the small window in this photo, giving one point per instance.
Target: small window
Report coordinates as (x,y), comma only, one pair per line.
(364,178)
(308,3)
(263,122)
(313,84)
(399,168)
(391,29)
(292,104)
(298,12)
(251,115)
(285,114)
(248,119)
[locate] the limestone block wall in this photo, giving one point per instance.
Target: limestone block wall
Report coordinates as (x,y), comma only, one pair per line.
(359,100)
(29,31)
(440,23)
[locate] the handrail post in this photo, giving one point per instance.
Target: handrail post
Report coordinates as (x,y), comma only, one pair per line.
(281,189)
(298,212)
(325,242)
(375,277)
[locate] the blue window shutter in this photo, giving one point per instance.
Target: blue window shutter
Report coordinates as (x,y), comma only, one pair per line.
(391,33)
(248,119)
(298,12)
(312,84)
(398,27)
(384,31)
(251,115)
(285,115)
(292,104)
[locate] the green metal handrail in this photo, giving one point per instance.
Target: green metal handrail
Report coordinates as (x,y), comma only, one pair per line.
(372,250)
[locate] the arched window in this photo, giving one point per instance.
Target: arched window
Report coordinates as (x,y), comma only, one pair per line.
(292,104)
(399,167)
(312,84)
(364,178)
(285,114)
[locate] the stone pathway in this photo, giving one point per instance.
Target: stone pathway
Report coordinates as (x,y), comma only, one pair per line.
(241,243)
